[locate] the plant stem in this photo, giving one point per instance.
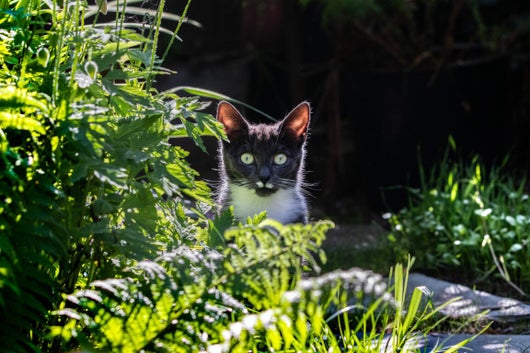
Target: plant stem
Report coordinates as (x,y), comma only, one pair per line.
(58,49)
(503,273)
(175,34)
(159,14)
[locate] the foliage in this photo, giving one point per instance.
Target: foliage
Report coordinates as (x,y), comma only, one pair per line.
(186,298)
(85,163)
(467,218)
(416,312)
(105,244)
(164,306)
(409,33)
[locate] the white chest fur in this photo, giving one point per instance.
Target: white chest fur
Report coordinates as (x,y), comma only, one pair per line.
(283,206)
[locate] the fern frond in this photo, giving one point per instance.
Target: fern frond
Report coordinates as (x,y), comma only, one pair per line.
(166,303)
(300,317)
(188,296)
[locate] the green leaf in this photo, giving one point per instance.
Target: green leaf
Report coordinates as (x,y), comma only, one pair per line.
(112,53)
(12,97)
(20,122)
(102,6)
(210,126)
(194,133)
(511,220)
(516,247)
(216,95)
(128,96)
(218,226)
(83,80)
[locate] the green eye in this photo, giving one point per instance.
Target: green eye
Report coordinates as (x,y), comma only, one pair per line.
(247,158)
(280,159)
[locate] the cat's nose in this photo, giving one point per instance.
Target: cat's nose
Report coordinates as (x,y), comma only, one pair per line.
(264,174)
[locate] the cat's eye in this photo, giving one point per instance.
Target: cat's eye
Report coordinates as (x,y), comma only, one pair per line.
(247,158)
(280,159)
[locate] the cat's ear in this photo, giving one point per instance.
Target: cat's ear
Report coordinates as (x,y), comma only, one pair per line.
(297,121)
(232,120)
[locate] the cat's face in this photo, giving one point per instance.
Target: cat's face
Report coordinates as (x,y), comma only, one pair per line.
(264,158)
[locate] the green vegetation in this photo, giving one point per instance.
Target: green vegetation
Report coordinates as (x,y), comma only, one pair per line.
(423,33)
(99,250)
(468,219)
(85,164)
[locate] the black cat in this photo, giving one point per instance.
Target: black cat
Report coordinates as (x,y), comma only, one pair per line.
(262,165)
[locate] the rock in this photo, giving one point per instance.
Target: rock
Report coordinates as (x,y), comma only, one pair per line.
(484,343)
(471,302)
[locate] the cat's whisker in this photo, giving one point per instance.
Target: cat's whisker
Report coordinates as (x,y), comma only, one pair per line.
(213,182)
(243,182)
(310,186)
(307,193)
(305,188)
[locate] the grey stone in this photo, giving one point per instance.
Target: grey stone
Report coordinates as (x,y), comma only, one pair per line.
(462,343)
(470,302)
(484,343)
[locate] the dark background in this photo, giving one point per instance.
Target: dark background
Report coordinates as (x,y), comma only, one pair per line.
(385,89)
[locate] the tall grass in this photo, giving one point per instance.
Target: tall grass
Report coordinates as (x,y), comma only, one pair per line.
(468,219)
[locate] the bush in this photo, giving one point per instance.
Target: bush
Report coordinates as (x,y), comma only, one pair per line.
(85,165)
(467,219)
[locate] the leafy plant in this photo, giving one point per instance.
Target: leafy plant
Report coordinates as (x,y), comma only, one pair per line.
(85,164)
(356,313)
(165,306)
(467,218)
(398,321)
(99,248)
(186,299)
(416,316)
(406,34)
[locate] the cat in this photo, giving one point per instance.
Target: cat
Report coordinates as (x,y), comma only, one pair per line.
(262,165)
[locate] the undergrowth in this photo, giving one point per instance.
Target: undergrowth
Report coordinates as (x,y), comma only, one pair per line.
(469,219)
(98,248)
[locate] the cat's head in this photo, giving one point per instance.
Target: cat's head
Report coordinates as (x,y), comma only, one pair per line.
(264,157)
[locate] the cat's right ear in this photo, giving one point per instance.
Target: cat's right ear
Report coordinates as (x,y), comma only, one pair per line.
(232,120)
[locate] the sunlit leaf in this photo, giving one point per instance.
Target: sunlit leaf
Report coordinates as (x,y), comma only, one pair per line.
(20,122)
(516,247)
(12,97)
(83,80)
(102,6)
(219,96)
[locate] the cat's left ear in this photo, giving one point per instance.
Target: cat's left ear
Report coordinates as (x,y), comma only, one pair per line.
(297,121)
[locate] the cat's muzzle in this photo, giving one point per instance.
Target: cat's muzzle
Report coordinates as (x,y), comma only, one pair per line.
(268,185)
(265,189)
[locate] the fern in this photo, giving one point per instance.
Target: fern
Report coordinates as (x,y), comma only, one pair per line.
(299,320)
(85,165)
(98,248)
(185,299)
